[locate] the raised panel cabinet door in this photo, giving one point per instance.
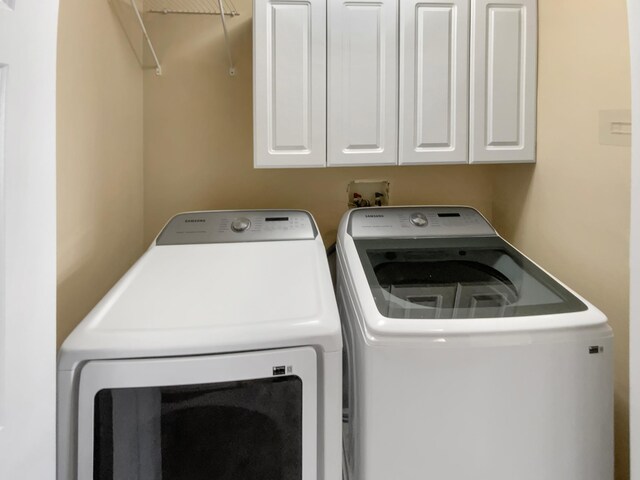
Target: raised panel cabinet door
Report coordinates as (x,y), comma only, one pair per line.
(434,81)
(503,81)
(363,82)
(289,83)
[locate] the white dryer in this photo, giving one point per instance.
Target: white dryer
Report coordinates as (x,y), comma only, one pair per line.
(218,355)
(465,360)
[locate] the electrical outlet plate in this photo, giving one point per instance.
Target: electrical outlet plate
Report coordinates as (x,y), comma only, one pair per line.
(368,193)
(615,127)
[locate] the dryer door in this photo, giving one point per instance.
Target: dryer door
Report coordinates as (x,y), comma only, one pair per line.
(235,416)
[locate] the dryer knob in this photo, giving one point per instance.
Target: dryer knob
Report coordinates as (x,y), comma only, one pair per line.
(418,219)
(240,224)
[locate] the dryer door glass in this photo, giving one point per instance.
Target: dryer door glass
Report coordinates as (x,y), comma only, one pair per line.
(227,431)
(471,277)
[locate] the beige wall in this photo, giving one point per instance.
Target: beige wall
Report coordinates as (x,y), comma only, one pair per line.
(198,139)
(571,212)
(99,157)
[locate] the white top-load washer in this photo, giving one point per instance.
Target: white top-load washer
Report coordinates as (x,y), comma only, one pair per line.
(464,358)
(217,355)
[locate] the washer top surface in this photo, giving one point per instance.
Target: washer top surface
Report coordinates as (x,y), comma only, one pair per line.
(445,269)
(262,288)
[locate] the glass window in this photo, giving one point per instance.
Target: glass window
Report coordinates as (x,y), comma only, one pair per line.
(475,277)
(227,431)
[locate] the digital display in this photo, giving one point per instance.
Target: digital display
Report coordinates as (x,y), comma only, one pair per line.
(447,215)
(276,219)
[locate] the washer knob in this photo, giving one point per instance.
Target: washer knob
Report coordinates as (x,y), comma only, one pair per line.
(418,219)
(240,224)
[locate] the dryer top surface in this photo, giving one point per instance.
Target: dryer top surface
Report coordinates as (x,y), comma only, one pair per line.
(205,298)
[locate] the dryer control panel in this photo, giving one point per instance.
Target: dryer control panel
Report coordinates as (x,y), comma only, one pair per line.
(235,226)
(411,222)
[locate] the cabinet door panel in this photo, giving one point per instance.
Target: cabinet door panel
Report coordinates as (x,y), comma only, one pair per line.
(503,81)
(290,83)
(434,57)
(363,72)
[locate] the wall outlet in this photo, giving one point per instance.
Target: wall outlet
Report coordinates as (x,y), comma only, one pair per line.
(368,193)
(615,127)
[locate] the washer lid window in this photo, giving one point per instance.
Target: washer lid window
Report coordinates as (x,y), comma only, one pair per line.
(459,278)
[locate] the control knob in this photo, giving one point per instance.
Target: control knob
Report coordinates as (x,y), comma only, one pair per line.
(240,224)
(418,219)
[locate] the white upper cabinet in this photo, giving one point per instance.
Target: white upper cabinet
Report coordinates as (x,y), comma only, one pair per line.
(394,82)
(363,82)
(503,81)
(434,79)
(290,83)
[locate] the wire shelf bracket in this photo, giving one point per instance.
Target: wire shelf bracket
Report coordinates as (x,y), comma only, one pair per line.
(227,42)
(223,8)
(146,37)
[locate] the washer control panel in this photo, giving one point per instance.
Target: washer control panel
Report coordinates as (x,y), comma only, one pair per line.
(238,226)
(409,222)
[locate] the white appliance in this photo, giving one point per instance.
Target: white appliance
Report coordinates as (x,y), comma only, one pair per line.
(465,360)
(218,355)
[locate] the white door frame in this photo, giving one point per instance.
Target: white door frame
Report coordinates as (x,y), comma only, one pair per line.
(633,9)
(28,39)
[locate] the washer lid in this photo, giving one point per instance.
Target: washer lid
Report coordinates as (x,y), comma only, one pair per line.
(458,278)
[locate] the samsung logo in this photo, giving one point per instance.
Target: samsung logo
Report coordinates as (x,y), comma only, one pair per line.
(374,216)
(195,220)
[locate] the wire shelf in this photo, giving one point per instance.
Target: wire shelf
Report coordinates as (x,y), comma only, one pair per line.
(131,13)
(190,7)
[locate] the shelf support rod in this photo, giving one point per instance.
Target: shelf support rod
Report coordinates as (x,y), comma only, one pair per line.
(146,37)
(227,42)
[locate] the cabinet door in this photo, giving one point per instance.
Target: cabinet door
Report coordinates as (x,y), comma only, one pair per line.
(434,81)
(289,83)
(363,82)
(503,81)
